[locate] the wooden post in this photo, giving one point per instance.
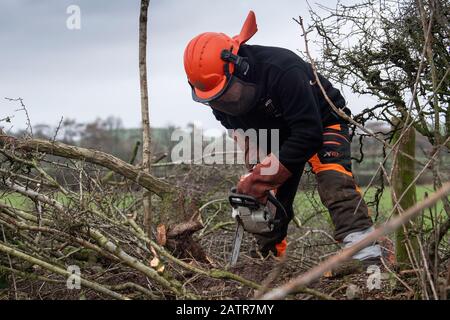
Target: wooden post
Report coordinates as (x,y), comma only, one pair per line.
(403,174)
(146,137)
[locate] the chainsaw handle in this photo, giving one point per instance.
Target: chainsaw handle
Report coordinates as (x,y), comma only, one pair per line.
(252,202)
(237,199)
(271,198)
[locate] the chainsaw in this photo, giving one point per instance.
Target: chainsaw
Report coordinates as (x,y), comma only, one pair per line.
(252,216)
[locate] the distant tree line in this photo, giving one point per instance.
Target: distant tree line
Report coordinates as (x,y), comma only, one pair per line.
(109,135)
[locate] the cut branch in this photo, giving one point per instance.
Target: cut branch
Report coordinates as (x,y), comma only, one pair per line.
(100,158)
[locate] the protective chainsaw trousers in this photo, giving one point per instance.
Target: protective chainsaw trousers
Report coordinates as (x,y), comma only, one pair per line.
(336,187)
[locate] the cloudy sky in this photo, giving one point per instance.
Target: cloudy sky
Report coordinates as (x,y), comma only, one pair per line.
(93,72)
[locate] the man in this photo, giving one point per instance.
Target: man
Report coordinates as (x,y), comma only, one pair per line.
(258,87)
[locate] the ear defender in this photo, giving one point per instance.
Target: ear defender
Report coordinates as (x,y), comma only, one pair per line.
(241,64)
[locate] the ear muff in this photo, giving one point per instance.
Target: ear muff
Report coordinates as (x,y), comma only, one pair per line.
(241,64)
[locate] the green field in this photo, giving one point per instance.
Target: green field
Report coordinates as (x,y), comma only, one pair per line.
(19,201)
(307,204)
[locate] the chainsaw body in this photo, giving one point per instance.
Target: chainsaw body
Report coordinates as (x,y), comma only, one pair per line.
(254,216)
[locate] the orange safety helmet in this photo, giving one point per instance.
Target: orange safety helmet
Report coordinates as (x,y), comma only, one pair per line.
(210,60)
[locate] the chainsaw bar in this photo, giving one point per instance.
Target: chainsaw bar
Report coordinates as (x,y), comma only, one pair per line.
(239,234)
(251,216)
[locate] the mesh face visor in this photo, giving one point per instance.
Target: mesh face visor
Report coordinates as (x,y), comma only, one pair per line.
(238,98)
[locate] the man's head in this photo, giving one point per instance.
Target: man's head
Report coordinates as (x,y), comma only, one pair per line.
(213,68)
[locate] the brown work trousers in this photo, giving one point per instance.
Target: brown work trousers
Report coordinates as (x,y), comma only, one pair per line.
(336,187)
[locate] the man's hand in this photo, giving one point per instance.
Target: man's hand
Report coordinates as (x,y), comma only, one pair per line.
(265,176)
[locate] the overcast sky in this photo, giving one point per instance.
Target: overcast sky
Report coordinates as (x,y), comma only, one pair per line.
(93,72)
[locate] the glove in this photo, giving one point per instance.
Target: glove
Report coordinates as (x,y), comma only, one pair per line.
(265,176)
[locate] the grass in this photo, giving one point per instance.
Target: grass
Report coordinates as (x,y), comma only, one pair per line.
(304,208)
(306,205)
(19,201)
(16,200)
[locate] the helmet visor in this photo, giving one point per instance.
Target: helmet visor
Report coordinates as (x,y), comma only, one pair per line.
(197,97)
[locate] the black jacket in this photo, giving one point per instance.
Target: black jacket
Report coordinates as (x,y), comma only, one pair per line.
(289,100)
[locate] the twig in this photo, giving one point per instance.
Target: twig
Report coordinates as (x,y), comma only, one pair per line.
(10,264)
(23,108)
(57,129)
(90,284)
(396,276)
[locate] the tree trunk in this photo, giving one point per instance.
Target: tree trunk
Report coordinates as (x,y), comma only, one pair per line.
(146,137)
(402,176)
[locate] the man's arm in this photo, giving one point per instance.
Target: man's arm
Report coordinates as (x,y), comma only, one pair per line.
(301,114)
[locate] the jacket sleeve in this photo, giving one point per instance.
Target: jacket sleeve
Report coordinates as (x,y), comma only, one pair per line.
(301,115)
